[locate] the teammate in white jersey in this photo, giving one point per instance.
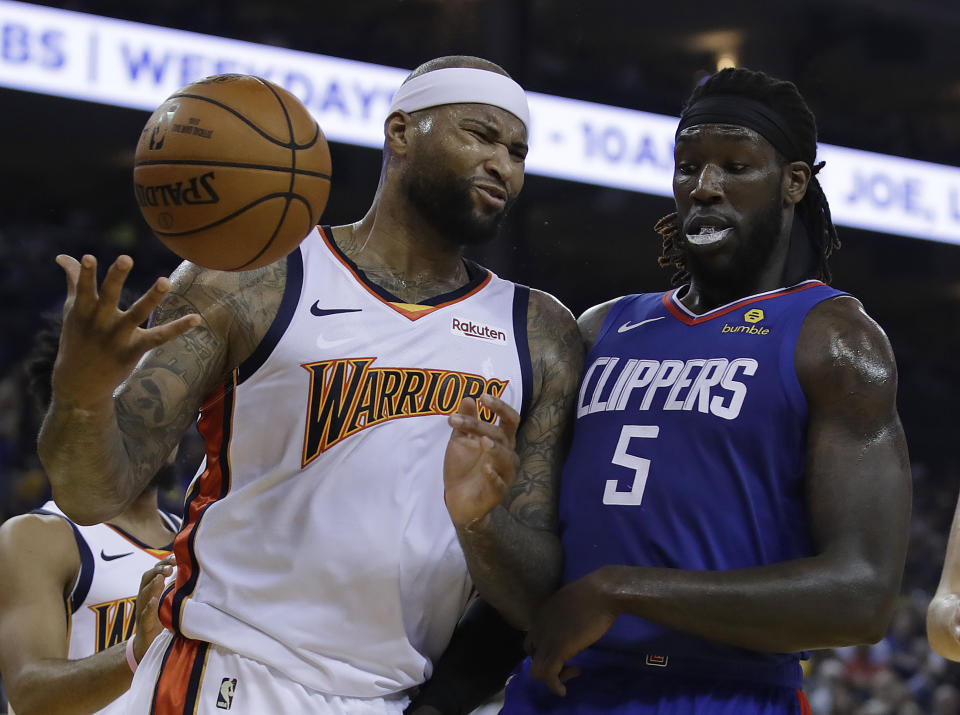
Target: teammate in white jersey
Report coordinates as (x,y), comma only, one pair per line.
(69,607)
(326,555)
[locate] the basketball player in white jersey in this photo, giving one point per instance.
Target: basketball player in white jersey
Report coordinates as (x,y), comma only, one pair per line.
(71,619)
(319,568)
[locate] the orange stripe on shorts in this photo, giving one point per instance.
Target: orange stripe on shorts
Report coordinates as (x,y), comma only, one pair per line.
(181,674)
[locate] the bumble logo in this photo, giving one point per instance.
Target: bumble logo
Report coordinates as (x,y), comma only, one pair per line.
(752,316)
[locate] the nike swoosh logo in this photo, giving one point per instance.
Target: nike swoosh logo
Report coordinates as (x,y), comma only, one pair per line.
(630,326)
(112,557)
(320,312)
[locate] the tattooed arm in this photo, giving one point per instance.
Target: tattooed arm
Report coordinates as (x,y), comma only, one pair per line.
(123,395)
(502,480)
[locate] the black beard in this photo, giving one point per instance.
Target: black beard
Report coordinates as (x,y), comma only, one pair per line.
(444,200)
(762,241)
(754,251)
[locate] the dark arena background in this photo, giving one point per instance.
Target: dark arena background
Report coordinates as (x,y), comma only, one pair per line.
(880,75)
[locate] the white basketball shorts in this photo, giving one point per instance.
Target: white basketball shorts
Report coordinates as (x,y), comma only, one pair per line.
(180,676)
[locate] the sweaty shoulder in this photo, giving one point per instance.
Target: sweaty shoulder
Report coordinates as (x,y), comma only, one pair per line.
(237,307)
(841,351)
(591,321)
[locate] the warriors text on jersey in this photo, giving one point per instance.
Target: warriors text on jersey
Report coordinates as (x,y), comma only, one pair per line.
(101,603)
(316,539)
(689,453)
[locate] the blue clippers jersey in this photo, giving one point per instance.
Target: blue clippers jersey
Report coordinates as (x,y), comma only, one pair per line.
(689,450)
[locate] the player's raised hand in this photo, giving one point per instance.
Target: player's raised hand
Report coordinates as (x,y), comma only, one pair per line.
(148,603)
(480,461)
(100,344)
(573,618)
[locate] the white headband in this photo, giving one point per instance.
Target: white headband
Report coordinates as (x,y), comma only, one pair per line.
(462,85)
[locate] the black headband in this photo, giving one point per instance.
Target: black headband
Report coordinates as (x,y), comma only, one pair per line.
(744,112)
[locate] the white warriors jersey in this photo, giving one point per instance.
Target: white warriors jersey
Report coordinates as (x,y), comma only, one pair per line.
(316,539)
(100,608)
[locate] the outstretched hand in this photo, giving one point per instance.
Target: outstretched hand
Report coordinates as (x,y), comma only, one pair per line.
(574,618)
(148,604)
(481,460)
(100,344)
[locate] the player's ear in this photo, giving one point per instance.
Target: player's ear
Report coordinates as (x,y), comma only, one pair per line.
(397,130)
(796,177)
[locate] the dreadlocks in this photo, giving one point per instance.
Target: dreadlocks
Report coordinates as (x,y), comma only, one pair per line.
(813,210)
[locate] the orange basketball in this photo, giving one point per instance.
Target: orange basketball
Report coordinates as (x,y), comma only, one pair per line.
(232,172)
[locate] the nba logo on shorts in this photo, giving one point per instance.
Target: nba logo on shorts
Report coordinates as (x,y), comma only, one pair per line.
(225,698)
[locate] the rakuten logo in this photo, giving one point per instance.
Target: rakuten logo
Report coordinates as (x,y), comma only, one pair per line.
(470,329)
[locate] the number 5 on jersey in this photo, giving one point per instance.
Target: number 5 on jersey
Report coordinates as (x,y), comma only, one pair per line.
(640,466)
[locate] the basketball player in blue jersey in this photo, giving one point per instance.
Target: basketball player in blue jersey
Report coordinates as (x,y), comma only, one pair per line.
(738,488)
(320,568)
(69,622)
